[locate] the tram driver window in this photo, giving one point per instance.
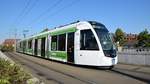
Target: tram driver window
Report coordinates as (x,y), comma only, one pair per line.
(88,41)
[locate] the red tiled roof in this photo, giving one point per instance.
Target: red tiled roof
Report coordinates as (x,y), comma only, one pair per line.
(9,42)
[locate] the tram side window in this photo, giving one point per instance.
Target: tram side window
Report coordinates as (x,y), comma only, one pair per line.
(88,41)
(30,44)
(61,42)
(24,44)
(54,43)
(20,45)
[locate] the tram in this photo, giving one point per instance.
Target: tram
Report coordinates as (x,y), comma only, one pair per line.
(81,43)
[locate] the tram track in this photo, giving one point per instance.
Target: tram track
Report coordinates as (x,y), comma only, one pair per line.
(85,80)
(52,69)
(38,72)
(145,77)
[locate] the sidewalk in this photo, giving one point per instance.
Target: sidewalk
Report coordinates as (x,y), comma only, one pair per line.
(138,68)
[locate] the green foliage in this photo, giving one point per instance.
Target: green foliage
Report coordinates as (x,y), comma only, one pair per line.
(4,81)
(11,73)
(7,48)
(144,39)
(119,36)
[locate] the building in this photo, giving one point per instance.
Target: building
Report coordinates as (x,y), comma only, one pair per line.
(9,42)
(131,37)
(131,40)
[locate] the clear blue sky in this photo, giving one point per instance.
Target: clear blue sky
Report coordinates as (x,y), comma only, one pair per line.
(132,16)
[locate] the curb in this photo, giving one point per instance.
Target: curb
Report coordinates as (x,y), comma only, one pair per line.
(3,56)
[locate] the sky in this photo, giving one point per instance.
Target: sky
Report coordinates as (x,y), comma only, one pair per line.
(32,16)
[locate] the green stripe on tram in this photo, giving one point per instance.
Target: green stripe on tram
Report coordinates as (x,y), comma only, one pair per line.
(58,54)
(42,36)
(68,30)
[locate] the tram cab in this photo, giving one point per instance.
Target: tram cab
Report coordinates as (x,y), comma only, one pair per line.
(93,45)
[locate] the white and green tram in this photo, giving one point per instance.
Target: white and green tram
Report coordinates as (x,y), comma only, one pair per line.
(81,43)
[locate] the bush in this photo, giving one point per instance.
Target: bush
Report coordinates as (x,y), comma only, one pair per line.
(7,48)
(12,73)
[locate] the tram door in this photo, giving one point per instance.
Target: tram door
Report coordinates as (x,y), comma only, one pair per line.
(70,47)
(35,46)
(24,46)
(43,47)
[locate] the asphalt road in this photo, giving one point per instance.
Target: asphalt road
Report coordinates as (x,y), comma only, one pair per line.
(51,72)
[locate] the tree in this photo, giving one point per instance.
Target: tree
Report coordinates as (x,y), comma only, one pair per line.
(119,36)
(144,39)
(7,48)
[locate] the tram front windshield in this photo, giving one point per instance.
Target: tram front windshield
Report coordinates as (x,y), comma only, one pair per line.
(106,42)
(104,38)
